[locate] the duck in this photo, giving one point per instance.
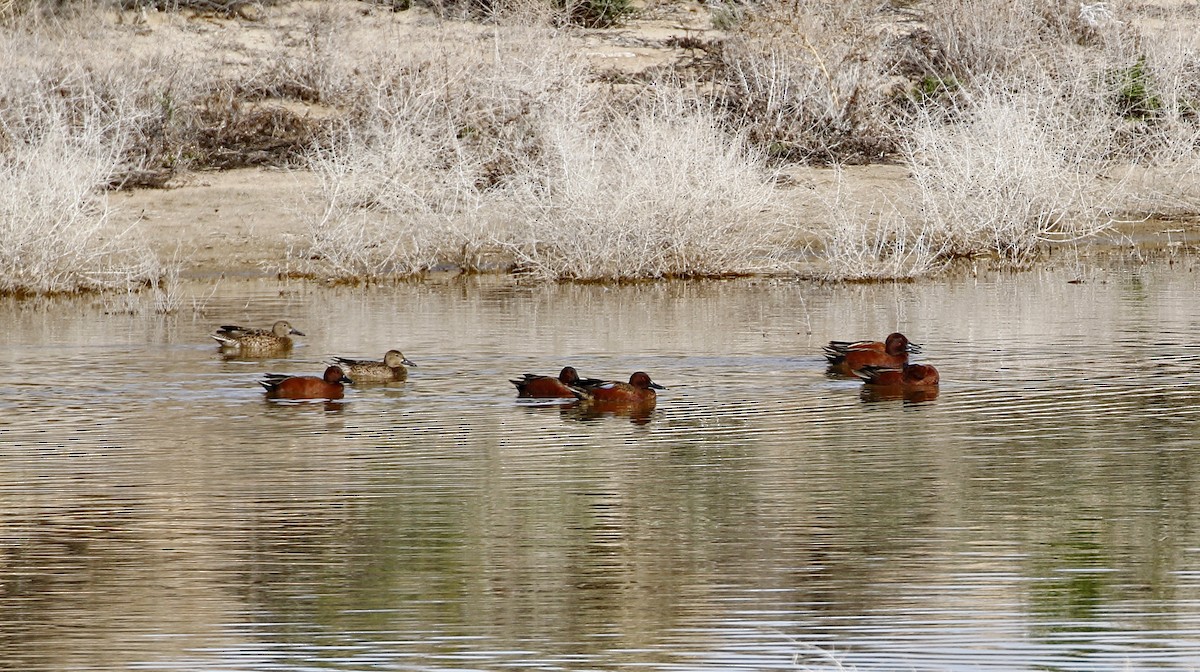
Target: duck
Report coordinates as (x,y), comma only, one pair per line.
(846,356)
(639,390)
(908,376)
(533,386)
(332,385)
(257,342)
(391,369)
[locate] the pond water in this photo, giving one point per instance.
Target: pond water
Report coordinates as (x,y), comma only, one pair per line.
(1041,513)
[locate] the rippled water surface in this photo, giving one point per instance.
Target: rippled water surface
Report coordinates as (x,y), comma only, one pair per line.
(1041,513)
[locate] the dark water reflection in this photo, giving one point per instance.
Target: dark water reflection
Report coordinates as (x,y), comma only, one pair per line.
(1040,513)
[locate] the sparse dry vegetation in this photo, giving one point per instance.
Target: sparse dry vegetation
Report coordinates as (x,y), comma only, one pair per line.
(54,230)
(501,154)
(812,82)
(415,179)
(500,144)
(661,191)
(860,243)
(1010,172)
(63,133)
(1017,119)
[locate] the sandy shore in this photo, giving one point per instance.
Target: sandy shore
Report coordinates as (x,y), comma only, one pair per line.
(238,223)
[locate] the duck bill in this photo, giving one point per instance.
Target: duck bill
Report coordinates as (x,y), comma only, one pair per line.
(657,386)
(408,362)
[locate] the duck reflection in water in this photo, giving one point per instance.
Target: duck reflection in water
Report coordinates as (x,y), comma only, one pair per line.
(911,396)
(638,414)
(332,406)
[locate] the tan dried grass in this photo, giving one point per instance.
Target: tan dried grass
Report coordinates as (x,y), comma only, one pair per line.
(1009,173)
(863,242)
(503,152)
(55,234)
(65,133)
(809,81)
(412,181)
(661,191)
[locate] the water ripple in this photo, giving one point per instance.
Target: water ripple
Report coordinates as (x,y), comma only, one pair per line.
(159,513)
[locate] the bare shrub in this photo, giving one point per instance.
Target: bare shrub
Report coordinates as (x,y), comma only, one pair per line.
(316,63)
(1100,61)
(1040,104)
(410,181)
(658,192)
(390,210)
(500,150)
(882,243)
(55,234)
(229,132)
(239,8)
(1010,171)
(16,10)
(995,38)
(585,13)
(594,13)
(68,126)
(1162,135)
(810,80)
(189,114)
